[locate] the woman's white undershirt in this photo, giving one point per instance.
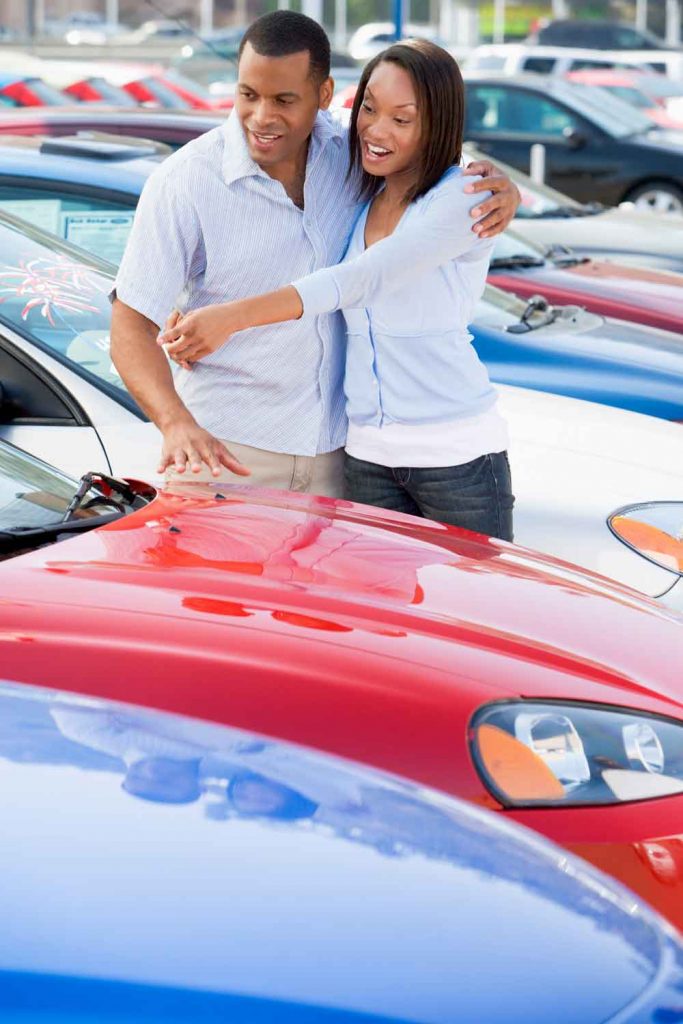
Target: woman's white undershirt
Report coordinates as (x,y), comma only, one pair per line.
(429,444)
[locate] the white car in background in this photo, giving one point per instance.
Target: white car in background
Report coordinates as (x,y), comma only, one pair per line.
(574,463)
(515,58)
(548,218)
(369,40)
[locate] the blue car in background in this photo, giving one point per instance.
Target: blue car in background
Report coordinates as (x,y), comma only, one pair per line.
(156,868)
(568,351)
(85,189)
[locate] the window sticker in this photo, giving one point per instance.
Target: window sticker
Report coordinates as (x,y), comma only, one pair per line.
(104,234)
(43,213)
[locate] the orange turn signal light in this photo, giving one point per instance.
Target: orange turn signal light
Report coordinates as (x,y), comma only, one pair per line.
(514,769)
(652,542)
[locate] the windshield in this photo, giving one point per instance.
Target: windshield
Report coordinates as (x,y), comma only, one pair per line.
(509,245)
(57,301)
(49,96)
(630,95)
(616,117)
(33,495)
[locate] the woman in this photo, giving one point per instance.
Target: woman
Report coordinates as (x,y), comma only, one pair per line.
(424,435)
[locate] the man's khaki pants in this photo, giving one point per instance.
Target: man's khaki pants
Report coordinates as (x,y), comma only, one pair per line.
(313,474)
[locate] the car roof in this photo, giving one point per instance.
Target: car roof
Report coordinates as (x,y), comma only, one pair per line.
(107,161)
(216,912)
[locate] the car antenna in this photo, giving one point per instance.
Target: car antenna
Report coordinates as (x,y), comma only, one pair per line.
(188,28)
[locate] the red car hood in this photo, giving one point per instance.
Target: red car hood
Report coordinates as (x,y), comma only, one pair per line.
(653,297)
(264,577)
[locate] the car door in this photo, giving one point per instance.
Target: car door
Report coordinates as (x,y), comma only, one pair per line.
(93,219)
(506,121)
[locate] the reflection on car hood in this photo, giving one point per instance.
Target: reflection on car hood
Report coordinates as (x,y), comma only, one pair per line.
(229,877)
(274,568)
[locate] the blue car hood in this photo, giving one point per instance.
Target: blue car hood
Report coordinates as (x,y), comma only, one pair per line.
(157,868)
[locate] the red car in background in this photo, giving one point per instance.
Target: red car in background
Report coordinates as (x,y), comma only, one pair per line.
(518,682)
(174,91)
(640,294)
(99,90)
(29,91)
(629,86)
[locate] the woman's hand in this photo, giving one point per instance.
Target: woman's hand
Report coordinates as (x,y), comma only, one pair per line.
(495,213)
(190,337)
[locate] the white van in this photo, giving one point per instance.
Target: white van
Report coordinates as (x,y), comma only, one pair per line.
(513,58)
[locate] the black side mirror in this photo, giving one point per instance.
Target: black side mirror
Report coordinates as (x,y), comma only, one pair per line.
(574,138)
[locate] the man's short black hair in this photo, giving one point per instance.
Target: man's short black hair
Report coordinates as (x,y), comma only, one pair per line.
(282,33)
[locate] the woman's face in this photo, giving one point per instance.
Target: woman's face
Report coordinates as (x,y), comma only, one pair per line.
(389,125)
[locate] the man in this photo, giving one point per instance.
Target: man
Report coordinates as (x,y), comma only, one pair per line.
(245,209)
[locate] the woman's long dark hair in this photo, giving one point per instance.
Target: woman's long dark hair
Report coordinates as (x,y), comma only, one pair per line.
(441,103)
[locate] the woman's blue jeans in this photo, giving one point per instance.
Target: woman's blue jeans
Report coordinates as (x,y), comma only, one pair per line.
(475,496)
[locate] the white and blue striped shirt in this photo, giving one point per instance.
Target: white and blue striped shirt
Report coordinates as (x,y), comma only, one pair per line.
(212,226)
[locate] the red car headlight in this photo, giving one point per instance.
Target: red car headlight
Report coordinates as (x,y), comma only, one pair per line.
(551,753)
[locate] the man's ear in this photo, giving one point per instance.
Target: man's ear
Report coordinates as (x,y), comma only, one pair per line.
(326,93)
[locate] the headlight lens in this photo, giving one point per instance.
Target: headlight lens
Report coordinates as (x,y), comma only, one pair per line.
(563,754)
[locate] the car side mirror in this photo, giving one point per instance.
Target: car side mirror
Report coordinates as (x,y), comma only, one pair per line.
(574,138)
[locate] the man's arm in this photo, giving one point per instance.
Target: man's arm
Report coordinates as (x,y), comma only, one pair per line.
(493,215)
(144,369)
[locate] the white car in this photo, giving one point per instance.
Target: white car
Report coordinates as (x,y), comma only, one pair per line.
(369,40)
(548,218)
(574,463)
(515,58)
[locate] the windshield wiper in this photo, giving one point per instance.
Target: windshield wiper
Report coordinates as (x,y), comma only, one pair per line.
(539,308)
(563,256)
(517,260)
(584,210)
(27,537)
(87,483)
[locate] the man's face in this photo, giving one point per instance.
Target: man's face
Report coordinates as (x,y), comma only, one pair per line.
(277,101)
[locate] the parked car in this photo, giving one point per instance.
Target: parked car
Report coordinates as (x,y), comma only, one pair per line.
(549,219)
(28,91)
(98,90)
(592,33)
(514,58)
(173,90)
(156,91)
(292,870)
(484,670)
(598,148)
(370,39)
(631,88)
(643,295)
(171,127)
(574,462)
(521,58)
(568,351)
(198,96)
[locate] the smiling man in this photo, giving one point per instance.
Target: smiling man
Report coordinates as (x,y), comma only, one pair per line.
(247,208)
